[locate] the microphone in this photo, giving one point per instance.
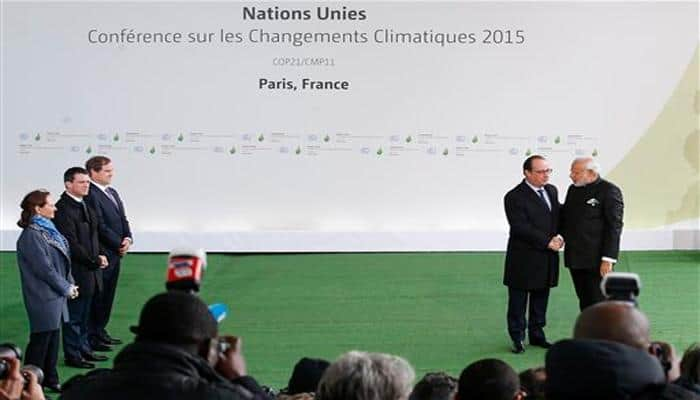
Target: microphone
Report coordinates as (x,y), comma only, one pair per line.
(186,267)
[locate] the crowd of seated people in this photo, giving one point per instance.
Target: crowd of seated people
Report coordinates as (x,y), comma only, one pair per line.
(179,353)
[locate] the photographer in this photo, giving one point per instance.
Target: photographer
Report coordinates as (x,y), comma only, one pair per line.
(18,384)
(176,354)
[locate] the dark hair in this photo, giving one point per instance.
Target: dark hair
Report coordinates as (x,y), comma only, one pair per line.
(527,165)
(434,386)
(33,199)
(488,379)
(532,382)
(176,318)
(96,163)
(71,172)
(690,364)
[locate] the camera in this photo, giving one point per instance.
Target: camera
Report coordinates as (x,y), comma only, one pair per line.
(621,286)
(9,350)
(222,346)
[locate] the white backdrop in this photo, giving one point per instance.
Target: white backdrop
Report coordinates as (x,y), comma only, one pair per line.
(416,154)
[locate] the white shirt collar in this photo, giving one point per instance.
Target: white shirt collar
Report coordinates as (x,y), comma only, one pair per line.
(78,199)
(536,189)
(101,187)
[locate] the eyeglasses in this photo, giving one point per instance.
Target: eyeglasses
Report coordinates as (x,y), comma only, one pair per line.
(543,171)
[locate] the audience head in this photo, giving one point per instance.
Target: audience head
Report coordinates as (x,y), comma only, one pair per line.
(435,386)
(306,375)
(100,169)
(690,364)
(616,321)
(584,170)
(36,202)
(179,319)
(536,170)
(532,382)
(358,375)
(76,181)
(488,379)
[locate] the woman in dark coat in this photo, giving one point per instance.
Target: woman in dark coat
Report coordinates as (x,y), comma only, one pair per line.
(44,265)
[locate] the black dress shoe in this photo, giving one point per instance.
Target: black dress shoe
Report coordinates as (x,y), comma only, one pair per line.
(94,357)
(53,387)
(518,347)
(541,343)
(79,363)
(110,340)
(97,346)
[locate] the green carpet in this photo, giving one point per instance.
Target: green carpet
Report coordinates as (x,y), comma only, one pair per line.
(441,311)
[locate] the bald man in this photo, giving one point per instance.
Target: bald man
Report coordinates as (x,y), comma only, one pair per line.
(615,321)
(591,224)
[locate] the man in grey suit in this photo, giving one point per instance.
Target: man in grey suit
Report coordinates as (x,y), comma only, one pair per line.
(591,223)
(115,238)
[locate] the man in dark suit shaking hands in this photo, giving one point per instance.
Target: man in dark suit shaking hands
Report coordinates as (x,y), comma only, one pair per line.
(532,260)
(115,237)
(591,223)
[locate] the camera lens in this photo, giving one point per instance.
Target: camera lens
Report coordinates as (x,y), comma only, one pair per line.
(35,370)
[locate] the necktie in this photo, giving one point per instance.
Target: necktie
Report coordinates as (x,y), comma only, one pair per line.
(85,211)
(112,195)
(544,199)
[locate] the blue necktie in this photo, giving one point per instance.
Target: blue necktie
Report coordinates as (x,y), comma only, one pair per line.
(112,195)
(541,193)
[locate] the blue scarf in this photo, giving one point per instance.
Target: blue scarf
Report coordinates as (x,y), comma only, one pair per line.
(47,226)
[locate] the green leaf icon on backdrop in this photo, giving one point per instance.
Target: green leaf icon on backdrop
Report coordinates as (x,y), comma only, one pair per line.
(475,139)
(380,151)
(180,137)
(88,150)
(37,137)
(445,152)
(326,138)
(298,150)
(557,140)
(232,150)
(409,139)
(116,137)
(152,150)
(528,152)
(261,138)
(595,153)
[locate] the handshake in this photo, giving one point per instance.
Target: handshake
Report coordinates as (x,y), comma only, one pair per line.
(556,243)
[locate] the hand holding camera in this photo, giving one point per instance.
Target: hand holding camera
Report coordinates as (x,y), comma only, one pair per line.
(18,382)
(231,362)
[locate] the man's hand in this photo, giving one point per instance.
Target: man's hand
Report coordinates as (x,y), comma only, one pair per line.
(11,387)
(556,243)
(103,261)
(126,243)
(232,364)
(32,390)
(606,267)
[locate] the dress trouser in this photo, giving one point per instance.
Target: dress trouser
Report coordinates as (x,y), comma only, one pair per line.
(42,351)
(587,285)
(104,299)
(518,304)
(75,333)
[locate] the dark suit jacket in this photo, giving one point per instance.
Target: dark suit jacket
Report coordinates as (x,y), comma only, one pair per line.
(591,223)
(529,263)
(46,279)
(81,232)
(114,226)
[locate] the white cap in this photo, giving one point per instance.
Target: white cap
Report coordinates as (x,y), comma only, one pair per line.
(189,252)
